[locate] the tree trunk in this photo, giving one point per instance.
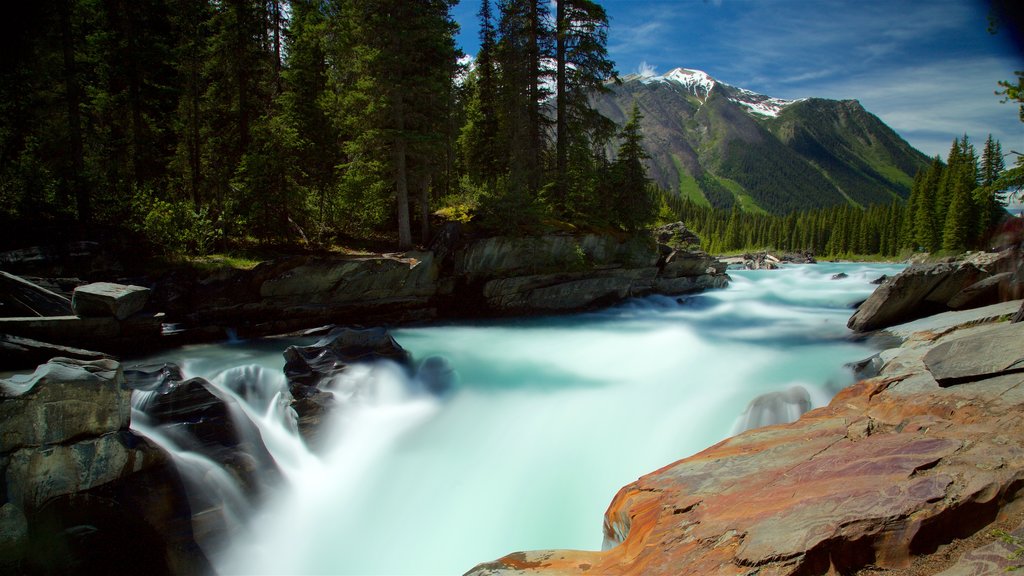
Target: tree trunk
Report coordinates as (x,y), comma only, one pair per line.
(561,125)
(425,211)
(72,99)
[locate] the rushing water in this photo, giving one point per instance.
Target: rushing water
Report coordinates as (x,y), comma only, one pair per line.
(548,418)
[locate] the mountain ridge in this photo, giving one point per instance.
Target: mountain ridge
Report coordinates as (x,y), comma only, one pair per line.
(718,144)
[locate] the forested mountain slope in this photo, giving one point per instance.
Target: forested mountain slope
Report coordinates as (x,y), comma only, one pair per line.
(717,144)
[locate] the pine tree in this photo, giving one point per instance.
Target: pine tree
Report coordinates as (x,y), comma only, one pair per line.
(927,230)
(582,69)
(635,205)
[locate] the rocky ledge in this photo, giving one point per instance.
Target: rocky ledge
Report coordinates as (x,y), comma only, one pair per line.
(927,451)
(460,276)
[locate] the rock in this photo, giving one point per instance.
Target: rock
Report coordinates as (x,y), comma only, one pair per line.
(918,291)
(436,374)
(19,297)
(840,276)
(760,261)
(305,281)
(1018,316)
(798,258)
(677,236)
(13,529)
(774,408)
(690,263)
(18,352)
(507,256)
(307,366)
(893,468)
(880,280)
(997,351)
(36,474)
(62,400)
(982,293)
(102,299)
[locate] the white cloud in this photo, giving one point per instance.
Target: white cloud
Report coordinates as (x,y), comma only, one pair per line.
(646,70)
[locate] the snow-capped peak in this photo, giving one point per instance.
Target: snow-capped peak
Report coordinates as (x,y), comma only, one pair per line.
(700,84)
(697,82)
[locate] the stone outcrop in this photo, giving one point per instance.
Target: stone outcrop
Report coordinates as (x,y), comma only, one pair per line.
(461,276)
(895,467)
(925,289)
(106,299)
(65,431)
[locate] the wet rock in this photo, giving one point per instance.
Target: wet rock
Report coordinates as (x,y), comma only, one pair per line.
(880,280)
(17,352)
(62,400)
(840,276)
(436,374)
(774,408)
(307,366)
(798,258)
(101,299)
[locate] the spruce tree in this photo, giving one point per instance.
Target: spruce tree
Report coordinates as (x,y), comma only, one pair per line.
(635,205)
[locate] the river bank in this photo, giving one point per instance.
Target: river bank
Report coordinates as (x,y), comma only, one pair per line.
(461,276)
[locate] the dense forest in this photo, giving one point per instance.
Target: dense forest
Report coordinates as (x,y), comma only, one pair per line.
(953,206)
(196,122)
(196,125)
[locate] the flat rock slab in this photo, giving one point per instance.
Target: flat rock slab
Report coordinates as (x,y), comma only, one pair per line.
(108,299)
(978,356)
(946,321)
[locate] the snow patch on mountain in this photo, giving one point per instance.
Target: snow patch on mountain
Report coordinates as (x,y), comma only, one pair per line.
(700,84)
(696,82)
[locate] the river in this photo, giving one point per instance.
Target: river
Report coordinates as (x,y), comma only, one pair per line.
(547,419)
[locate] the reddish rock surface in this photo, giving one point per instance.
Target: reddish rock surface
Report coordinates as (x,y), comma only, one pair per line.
(894,469)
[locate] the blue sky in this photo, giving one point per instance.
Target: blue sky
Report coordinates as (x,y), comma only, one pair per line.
(927,68)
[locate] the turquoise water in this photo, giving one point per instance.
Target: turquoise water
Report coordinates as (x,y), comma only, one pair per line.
(548,418)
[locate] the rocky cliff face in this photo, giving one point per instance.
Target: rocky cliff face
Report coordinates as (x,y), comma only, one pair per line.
(66,455)
(929,450)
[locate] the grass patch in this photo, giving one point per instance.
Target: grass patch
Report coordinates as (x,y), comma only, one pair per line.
(747,202)
(689,188)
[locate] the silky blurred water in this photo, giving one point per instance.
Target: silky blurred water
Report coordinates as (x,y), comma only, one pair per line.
(548,418)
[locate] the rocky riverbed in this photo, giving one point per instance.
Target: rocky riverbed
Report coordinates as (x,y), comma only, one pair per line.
(897,468)
(921,457)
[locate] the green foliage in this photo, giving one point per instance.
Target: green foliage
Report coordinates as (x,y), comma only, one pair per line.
(175,227)
(1017,545)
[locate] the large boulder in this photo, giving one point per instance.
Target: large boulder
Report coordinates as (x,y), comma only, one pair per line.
(62,400)
(101,299)
(65,431)
(925,289)
(306,366)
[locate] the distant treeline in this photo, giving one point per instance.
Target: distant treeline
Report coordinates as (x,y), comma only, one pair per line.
(953,207)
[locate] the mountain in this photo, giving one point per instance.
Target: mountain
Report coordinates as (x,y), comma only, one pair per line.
(718,144)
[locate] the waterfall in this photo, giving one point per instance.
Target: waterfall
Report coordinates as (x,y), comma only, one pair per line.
(515,434)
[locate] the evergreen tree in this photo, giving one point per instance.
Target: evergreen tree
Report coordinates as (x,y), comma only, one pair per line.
(634,205)
(927,231)
(582,69)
